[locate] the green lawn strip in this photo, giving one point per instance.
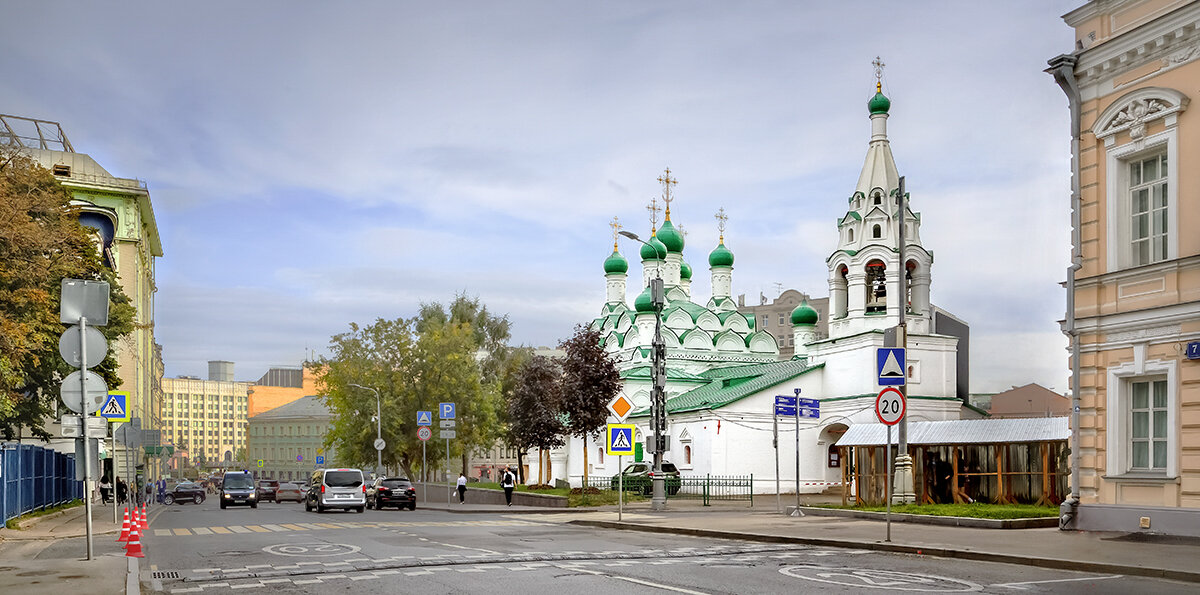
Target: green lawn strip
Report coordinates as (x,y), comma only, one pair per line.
(977,510)
(15,523)
(605,497)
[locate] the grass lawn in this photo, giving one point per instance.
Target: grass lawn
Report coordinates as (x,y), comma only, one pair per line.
(16,522)
(977,510)
(603,498)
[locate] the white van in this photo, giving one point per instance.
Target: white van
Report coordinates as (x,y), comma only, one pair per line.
(336,488)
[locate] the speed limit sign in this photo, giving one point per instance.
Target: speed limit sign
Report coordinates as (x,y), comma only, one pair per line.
(424,433)
(890,406)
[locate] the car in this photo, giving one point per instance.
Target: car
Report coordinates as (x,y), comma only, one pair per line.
(237,487)
(392,491)
(290,492)
(184,491)
(336,488)
(639,477)
(266,489)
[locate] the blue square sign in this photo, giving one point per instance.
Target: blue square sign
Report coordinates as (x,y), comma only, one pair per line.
(446,410)
(424,418)
(320,460)
(891,366)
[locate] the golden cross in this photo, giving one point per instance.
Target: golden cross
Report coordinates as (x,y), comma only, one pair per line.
(721,219)
(616,227)
(682,231)
(878,64)
(667,181)
(653,208)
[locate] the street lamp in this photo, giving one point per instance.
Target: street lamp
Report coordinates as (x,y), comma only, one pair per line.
(658,392)
(378,430)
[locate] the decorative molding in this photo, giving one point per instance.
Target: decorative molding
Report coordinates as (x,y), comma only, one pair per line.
(1134,110)
(1184,55)
(1143,333)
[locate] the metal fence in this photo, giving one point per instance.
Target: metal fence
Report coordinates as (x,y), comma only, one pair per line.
(706,488)
(35,478)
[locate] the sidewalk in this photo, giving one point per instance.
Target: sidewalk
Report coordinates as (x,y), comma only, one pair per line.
(49,555)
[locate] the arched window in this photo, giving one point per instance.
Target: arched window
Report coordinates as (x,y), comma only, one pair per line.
(850,235)
(876,286)
(877,232)
(687,455)
(600,456)
(878,198)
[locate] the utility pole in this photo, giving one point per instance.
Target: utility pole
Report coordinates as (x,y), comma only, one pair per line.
(903,484)
(658,499)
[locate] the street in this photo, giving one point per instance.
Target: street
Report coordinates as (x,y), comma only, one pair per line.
(192,549)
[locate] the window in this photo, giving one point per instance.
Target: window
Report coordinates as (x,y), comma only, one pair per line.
(687,454)
(782,319)
(1148,209)
(877,232)
(850,235)
(766,319)
(1148,425)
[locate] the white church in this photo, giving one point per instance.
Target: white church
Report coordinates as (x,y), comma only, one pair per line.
(723,374)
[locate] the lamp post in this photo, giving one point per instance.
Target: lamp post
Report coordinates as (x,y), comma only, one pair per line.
(378,429)
(658,394)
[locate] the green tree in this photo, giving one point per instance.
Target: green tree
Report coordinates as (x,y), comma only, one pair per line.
(589,381)
(535,419)
(42,242)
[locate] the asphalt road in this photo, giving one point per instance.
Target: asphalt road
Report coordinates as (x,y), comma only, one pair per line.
(201,549)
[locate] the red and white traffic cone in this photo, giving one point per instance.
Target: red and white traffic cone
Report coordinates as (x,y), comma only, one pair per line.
(133,549)
(125,527)
(145,519)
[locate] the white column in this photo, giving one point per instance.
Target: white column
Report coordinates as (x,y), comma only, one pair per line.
(856,294)
(616,287)
(722,282)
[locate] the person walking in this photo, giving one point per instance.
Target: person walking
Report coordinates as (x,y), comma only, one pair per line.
(462,488)
(508,481)
(105,490)
(122,491)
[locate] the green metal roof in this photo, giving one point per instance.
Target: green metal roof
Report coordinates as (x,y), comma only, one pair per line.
(673,374)
(720,393)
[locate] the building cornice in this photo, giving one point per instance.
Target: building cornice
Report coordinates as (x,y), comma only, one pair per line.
(1171,38)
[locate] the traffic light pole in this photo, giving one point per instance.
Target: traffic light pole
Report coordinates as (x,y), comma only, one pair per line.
(903,485)
(658,498)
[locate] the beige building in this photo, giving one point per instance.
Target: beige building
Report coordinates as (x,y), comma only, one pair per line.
(280,386)
(776,317)
(290,438)
(120,213)
(206,420)
(1135,304)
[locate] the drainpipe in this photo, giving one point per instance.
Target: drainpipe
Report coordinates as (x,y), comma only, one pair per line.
(1062,67)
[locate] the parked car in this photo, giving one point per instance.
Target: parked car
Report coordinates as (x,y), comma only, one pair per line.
(336,488)
(237,487)
(639,477)
(290,492)
(184,491)
(266,489)
(392,491)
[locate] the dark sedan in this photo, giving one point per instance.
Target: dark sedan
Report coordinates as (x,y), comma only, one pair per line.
(185,492)
(391,491)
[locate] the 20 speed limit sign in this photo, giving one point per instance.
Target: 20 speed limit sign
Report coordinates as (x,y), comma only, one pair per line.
(890,406)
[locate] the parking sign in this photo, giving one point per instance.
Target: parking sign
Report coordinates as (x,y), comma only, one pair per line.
(446,410)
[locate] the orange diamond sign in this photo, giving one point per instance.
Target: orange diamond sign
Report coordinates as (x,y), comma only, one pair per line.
(620,407)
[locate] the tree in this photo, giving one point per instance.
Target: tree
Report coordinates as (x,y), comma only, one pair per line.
(534,414)
(42,242)
(589,381)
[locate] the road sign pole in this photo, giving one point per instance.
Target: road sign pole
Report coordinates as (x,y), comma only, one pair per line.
(449,488)
(424,475)
(887,483)
(112,457)
(775,443)
(620,487)
(87,442)
(798,513)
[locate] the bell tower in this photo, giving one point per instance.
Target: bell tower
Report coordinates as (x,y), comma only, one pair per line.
(869,280)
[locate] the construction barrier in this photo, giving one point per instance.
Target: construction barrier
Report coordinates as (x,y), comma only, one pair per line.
(35,478)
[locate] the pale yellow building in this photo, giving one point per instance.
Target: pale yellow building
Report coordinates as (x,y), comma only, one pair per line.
(206,420)
(120,214)
(1136,300)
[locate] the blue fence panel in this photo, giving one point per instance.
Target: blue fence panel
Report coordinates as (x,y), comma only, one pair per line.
(35,478)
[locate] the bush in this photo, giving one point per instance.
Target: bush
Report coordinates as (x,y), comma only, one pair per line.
(588,491)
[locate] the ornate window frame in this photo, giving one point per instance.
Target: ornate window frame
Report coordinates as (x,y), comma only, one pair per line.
(1118,397)
(1132,113)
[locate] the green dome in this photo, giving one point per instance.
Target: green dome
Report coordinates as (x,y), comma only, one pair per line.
(616,264)
(654,250)
(670,237)
(720,257)
(804,315)
(643,302)
(879,104)
(685,271)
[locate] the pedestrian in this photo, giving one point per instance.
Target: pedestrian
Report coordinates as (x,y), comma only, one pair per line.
(462,488)
(508,481)
(122,491)
(105,490)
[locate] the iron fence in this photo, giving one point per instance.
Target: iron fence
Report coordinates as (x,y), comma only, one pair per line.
(35,478)
(706,488)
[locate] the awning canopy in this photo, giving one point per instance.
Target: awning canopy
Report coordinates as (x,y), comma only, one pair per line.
(964,431)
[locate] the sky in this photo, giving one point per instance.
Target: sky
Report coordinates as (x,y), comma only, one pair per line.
(317,164)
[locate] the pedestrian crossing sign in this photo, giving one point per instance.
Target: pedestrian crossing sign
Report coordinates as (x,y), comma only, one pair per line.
(619,439)
(115,407)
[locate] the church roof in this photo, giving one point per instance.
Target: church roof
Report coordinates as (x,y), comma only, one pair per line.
(673,374)
(722,392)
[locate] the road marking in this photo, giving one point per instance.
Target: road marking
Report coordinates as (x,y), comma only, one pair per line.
(328,526)
(636,581)
(239,529)
(275,528)
(201,531)
(221,530)
(161,532)
(180,531)
(1021,586)
(294,527)
(257,529)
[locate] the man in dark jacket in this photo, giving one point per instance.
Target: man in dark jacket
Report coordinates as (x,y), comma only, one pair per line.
(508,481)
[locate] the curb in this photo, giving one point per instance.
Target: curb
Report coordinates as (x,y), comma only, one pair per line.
(1054,563)
(920,519)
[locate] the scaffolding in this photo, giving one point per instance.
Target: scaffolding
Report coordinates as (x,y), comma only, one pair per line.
(31,133)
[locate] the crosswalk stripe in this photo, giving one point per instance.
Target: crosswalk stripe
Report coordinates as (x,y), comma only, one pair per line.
(293,527)
(257,529)
(239,529)
(328,526)
(162,532)
(275,528)
(313,526)
(181,531)
(221,530)
(201,531)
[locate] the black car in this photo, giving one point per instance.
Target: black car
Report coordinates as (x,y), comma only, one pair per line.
(237,487)
(184,491)
(391,491)
(639,477)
